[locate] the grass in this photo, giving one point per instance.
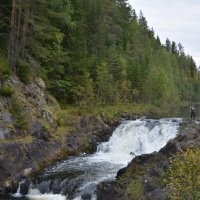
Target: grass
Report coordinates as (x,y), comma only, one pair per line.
(112,111)
(5,70)
(6,91)
(23,71)
(21,117)
(135,190)
(24,140)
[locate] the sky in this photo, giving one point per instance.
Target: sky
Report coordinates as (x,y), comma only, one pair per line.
(178,20)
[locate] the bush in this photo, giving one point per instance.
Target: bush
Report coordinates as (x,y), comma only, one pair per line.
(5,70)
(23,71)
(183,178)
(135,190)
(6,91)
(21,118)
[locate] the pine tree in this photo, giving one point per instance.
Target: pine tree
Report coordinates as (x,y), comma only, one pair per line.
(168,45)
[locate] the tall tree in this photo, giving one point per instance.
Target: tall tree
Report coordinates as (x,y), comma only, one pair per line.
(168,45)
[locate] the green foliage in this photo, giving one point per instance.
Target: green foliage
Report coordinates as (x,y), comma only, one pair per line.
(135,190)
(183,178)
(105,87)
(21,118)
(5,71)
(24,71)
(6,91)
(97,51)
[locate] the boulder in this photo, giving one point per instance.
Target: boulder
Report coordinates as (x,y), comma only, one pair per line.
(27,172)
(9,187)
(24,187)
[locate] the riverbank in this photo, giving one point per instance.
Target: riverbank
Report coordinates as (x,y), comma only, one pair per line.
(78,176)
(144,177)
(21,159)
(35,132)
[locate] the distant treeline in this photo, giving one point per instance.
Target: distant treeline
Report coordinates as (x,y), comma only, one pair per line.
(93,51)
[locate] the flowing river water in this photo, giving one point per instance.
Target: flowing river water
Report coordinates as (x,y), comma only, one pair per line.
(77,177)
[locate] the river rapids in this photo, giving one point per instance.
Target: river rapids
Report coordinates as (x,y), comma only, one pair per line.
(77,177)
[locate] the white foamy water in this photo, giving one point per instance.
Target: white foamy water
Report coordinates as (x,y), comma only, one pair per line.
(34,194)
(79,176)
(137,138)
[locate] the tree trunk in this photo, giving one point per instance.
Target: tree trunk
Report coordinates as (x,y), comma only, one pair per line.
(11,44)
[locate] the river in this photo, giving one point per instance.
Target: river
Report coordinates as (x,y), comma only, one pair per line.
(77,177)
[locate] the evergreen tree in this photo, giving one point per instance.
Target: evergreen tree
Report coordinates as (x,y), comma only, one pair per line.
(94,50)
(174,48)
(168,45)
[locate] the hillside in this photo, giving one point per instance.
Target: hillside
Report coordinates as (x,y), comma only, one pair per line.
(71,69)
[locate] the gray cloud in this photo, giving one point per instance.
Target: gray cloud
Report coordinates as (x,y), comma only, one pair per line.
(177,20)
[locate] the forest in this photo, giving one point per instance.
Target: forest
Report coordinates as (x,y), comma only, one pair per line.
(70,72)
(93,52)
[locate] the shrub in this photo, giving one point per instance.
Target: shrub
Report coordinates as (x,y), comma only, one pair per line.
(183,178)
(6,91)
(135,190)
(23,71)
(5,70)
(21,118)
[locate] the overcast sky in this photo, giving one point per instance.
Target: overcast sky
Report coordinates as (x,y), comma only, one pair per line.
(178,20)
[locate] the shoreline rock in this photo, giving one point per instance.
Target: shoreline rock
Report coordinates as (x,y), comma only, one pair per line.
(21,160)
(146,171)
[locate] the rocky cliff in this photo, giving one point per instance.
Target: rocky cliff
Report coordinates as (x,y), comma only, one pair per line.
(31,135)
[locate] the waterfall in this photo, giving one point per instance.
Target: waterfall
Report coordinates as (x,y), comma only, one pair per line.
(17,194)
(78,176)
(138,137)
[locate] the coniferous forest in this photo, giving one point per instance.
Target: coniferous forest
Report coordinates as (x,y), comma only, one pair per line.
(93,51)
(71,71)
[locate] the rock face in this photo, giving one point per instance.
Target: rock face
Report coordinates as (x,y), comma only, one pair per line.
(39,131)
(148,169)
(19,160)
(29,104)
(25,151)
(17,157)
(6,129)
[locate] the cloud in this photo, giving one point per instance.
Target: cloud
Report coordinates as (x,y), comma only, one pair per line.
(177,20)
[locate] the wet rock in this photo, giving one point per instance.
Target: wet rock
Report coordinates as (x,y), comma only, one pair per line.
(107,191)
(95,129)
(9,187)
(86,196)
(88,191)
(24,187)
(27,172)
(171,147)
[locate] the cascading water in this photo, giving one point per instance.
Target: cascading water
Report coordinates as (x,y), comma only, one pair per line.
(77,177)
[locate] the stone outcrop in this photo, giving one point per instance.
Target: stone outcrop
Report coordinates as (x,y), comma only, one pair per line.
(19,160)
(37,108)
(24,152)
